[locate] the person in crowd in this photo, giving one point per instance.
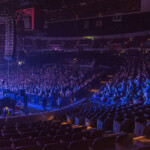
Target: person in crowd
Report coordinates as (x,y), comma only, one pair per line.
(44,103)
(130,85)
(19,105)
(6,111)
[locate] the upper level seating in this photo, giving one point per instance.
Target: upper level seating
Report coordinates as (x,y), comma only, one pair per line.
(76,9)
(42,45)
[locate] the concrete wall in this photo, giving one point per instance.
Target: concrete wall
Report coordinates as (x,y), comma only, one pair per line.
(145,5)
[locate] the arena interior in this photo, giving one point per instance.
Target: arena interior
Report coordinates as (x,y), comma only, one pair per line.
(74,74)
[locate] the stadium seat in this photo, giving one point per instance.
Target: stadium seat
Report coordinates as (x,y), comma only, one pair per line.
(43,140)
(79,145)
(79,121)
(117,124)
(144,148)
(140,125)
(29,147)
(90,122)
(77,136)
(6,149)
(62,138)
(58,146)
(5,143)
(104,143)
(11,135)
(22,142)
(127,126)
(70,119)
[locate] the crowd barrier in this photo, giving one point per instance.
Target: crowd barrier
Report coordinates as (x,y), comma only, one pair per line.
(39,100)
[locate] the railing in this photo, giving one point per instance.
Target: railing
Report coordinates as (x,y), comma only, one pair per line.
(38,100)
(109,36)
(94,104)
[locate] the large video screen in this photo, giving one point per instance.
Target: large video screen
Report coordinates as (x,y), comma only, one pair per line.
(27,22)
(26,16)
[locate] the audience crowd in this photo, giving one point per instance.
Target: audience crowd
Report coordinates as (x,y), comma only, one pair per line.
(130,85)
(58,84)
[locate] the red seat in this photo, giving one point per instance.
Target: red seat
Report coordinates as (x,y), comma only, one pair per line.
(76,130)
(9,131)
(77,136)
(30,147)
(144,148)
(65,126)
(5,143)
(43,140)
(96,134)
(6,149)
(58,146)
(26,130)
(11,135)
(63,137)
(79,145)
(22,142)
(104,143)
(43,133)
(127,126)
(29,134)
(61,131)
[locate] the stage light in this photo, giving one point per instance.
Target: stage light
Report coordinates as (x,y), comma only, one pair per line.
(20,63)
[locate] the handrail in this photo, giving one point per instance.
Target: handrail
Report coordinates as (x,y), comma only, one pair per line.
(113,36)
